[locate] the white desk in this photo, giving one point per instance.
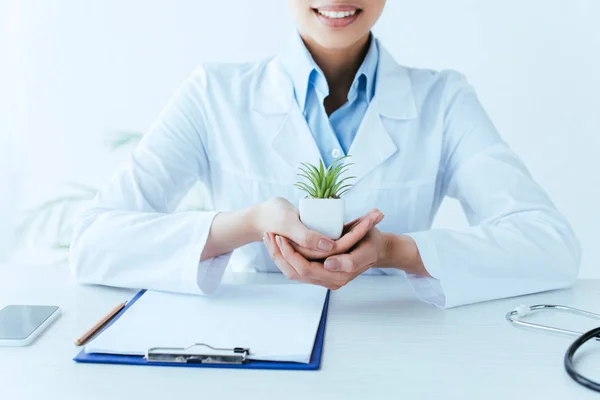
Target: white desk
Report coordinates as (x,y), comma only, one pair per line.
(381,342)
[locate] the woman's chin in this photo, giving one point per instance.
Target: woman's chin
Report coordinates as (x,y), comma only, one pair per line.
(336,40)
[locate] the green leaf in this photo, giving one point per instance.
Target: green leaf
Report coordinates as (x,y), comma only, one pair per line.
(310,179)
(333,176)
(338,185)
(315,171)
(343,189)
(305,172)
(328,170)
(344,168)
(339,160)
(329,175)
(310,175)
(343,193)
(321,168)
(302,186)
(338,163)
(309,169)
(323,187)
(312,168)
(328,182)
(325,182)
(321,180)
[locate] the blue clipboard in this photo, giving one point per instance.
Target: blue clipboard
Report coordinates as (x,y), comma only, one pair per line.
(314,364)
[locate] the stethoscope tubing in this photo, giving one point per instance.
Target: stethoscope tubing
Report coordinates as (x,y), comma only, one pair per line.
(583,337)
(577,377)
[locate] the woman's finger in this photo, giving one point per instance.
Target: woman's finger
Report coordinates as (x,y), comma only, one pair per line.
(309,239)
(277,257)
(373,214)
(288,270)
(361,258)
(348,226)
(299,263)
(355,235)
(346,242)
(305,268)
(312,255)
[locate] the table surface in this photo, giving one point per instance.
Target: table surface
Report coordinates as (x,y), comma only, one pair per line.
(380,342)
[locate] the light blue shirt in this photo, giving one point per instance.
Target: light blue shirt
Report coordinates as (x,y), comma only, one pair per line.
(333,134)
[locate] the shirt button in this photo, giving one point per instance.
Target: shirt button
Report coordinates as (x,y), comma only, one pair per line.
(337,153)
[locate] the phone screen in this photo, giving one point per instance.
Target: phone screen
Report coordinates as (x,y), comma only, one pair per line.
(18,322)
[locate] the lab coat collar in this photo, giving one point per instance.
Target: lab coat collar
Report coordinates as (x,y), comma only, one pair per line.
(301,67)
(393,88)
(304,71)
(274,98)
(274,90)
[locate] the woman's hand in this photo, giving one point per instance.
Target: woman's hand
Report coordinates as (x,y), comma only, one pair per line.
(369,252)
(233,229)
(337,271)
(280,217)
(353,232)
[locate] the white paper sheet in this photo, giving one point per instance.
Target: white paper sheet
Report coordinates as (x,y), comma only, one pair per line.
(276,322)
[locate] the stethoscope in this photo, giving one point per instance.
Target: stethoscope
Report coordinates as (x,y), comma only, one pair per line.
(523,311)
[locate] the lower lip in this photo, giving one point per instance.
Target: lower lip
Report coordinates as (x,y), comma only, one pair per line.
(337,22)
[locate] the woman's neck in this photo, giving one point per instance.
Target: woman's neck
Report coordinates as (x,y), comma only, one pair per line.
(339,66)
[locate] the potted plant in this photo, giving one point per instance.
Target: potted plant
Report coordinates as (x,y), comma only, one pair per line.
(323,209)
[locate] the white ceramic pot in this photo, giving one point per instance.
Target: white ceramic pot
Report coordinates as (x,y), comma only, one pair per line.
(325,216)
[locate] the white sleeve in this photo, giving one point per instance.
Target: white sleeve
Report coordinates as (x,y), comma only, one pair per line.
(517,243)
(131,236)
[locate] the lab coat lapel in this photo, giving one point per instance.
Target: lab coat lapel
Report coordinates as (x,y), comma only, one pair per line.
(274,100)
(294,142)
(371,146)
(374,142)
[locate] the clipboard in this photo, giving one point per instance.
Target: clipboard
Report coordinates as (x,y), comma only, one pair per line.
(202,355)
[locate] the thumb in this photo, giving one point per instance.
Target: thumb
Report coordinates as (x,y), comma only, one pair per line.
(309,239)
(362,256)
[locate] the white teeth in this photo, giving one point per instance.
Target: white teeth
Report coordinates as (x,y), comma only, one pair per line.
(337,14)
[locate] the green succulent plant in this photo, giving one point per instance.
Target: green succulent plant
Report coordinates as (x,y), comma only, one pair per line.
(325,183)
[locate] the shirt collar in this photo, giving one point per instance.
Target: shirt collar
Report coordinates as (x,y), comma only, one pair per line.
(305,72)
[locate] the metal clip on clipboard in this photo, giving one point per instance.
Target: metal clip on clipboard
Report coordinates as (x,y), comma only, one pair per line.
(204,355)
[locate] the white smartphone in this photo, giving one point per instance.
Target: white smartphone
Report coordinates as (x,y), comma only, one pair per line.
(20,325)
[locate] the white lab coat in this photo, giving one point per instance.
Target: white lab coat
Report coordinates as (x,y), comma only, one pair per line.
(238,129)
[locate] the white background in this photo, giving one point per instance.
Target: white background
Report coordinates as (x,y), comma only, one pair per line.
(72,72)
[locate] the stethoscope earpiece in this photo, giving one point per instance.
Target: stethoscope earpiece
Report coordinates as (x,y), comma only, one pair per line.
(523,310)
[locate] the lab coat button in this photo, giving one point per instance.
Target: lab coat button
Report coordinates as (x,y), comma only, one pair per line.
(337,153)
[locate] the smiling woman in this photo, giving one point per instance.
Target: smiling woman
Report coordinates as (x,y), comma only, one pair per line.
(336,24)
(414,136)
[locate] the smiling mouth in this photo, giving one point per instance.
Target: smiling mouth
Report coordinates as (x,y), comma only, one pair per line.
(337,17)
